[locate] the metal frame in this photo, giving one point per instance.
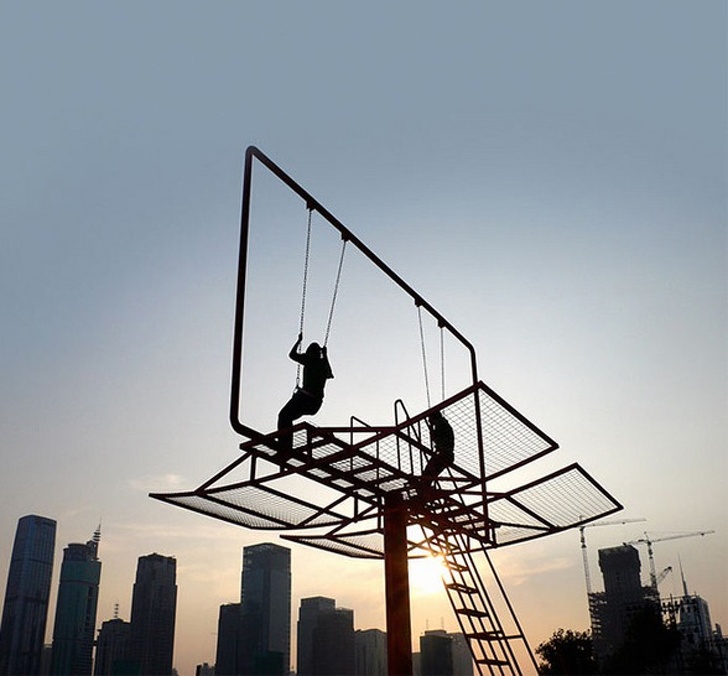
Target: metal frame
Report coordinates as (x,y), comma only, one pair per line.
(251,154)
(376,498)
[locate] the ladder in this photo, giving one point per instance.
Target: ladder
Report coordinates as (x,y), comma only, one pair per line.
(486,618)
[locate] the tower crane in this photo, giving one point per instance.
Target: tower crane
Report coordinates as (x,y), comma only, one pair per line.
(663,574)
(646,540)
(611,522)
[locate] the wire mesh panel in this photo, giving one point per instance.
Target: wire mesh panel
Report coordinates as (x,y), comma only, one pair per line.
(365,465)
(564,499)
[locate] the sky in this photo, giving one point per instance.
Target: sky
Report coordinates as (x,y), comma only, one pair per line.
(552,177)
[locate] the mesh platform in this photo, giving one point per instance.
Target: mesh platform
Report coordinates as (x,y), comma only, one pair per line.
(337,480)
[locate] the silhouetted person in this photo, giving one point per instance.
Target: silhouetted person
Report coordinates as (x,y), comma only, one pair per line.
(306,400)
(443,445)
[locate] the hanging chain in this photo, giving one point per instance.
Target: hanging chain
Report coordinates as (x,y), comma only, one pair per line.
(424,355)
(442,361)
(336,292)
(303,293)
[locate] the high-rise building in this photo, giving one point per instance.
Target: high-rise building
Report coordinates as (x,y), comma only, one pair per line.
(436,653)
(462,658)
(153,612)
(265,610)
(370,652)
(112,647)
(308,613)
(333,643)
(75,623)
(229,628)
(25,610)
(623,598)
(325,638)
(444,654)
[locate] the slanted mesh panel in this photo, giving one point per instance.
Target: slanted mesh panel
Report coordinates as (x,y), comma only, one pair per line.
(507,440)
(202,505)
(461,416)
(361,546)
(567,499)
(257,506)
(504,511)
(508,535)
(257,499)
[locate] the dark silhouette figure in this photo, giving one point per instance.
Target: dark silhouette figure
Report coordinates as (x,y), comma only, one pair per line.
(443,445)
(306,400)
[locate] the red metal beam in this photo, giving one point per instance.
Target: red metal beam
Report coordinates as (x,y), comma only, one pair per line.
(396,582)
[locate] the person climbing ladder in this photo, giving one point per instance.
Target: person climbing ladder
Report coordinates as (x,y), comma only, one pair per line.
(306,400)
(443,444)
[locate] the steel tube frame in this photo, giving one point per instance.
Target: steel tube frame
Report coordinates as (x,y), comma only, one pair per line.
(253,153)
(311,203)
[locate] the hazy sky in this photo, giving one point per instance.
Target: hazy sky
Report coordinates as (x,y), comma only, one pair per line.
(551,176)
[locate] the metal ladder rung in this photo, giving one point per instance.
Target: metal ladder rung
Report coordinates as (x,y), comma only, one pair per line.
(464,588)
(492,662)
(495,635)
(472,612)
(457,566)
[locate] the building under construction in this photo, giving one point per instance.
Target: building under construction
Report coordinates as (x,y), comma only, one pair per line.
(683,623)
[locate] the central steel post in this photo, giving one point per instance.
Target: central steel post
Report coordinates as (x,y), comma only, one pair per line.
(396,582)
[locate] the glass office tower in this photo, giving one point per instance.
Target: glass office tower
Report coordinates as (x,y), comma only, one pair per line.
(25,611)
(78,595)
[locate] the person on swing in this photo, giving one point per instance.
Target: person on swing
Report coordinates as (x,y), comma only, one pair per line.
(306,400)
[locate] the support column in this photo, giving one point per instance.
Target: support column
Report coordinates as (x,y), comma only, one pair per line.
(396,582)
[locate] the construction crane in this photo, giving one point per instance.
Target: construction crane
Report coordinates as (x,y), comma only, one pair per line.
(646,540)
(663,574)
(612,522)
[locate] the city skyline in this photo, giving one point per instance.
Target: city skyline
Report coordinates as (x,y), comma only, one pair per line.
(552,178)
(424,580)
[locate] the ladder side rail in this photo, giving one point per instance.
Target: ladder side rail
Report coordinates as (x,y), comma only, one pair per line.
(484,642)
(473,626)
(488,633)
(512,612)
(499,638)
(436,546)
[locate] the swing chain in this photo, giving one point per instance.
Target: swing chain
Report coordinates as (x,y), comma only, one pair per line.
(424,355)
(336,291)
(303,293)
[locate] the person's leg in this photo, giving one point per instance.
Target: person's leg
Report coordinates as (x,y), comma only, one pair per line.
(287,416)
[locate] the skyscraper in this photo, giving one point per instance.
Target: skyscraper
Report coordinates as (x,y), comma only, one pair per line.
(75,623)
(112,647)
(623,598)
(228,640)
(265,610)
(25,610)
(325,638)
(436,653)
(153,611)
(308,615)
(444,654)
(370,652)
(333,643)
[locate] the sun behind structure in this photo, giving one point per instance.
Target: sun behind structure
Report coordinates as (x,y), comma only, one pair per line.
(426,575)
